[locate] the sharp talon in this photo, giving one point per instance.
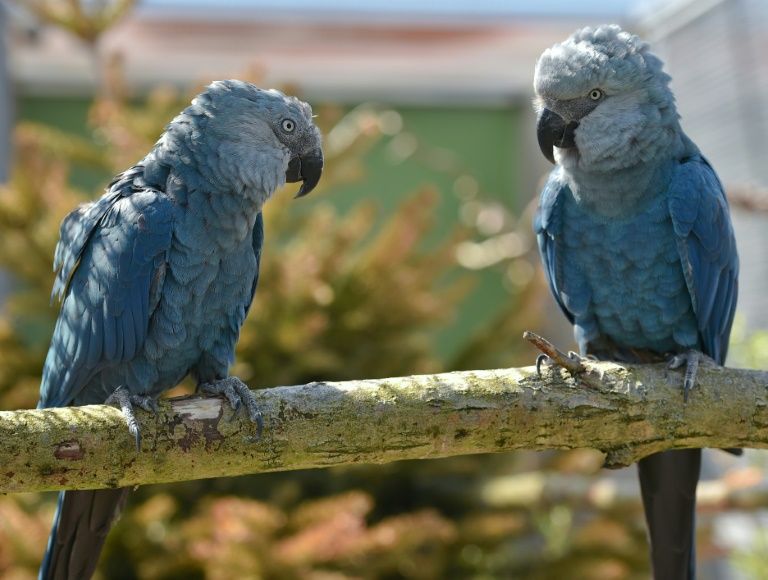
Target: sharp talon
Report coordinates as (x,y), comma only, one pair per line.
(259,425)
(147,403)
(691,360)
(541,359)
(137,434)
(125,400)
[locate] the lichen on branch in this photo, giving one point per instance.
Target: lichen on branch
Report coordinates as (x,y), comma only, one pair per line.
(627,412)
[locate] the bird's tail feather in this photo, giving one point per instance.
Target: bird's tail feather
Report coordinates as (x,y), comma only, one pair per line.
(668,484)
(80,526)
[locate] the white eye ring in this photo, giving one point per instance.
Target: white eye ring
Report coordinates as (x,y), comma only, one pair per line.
(595,94)
(288,125)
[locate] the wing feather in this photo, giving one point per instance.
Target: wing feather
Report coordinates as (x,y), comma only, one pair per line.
(707,249)
(107,259)
(547,225)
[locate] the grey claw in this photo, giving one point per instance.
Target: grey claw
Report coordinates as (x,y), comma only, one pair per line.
(149,404)
(691,361)
(541,359)
(677,361)
(136,432)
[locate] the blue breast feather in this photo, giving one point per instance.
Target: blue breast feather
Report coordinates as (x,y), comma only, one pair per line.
(664,280)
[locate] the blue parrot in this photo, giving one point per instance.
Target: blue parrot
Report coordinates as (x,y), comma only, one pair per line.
(636,241)
(157,276)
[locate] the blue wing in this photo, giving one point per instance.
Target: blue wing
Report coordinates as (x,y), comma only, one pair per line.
(258,242)
(707,250)
(547,224)
(110,261)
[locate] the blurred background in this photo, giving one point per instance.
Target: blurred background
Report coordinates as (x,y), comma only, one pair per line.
(414,255)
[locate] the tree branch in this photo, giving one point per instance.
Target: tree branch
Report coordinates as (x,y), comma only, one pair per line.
(627,412)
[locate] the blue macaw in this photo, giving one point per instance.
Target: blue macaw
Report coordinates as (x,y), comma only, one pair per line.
(157,276)
(636,240)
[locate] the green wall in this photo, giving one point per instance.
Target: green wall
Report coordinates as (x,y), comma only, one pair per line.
(486,141)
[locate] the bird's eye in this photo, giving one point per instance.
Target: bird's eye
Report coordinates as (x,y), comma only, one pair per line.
(288,125)
(595,94)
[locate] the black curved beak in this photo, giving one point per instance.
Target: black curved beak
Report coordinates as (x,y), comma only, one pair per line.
(552,131)
(307,168)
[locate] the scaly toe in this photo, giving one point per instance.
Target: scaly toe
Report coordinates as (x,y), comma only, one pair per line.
(677,361)
(222,387)
(239,395)
(149,404)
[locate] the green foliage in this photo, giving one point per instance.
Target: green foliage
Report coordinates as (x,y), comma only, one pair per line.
(747,349)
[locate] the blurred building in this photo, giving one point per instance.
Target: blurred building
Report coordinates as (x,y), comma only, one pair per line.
(715,52)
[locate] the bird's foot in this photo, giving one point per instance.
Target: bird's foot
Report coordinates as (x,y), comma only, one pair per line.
(571,362)
(239,395)
(691,360)
(123,398)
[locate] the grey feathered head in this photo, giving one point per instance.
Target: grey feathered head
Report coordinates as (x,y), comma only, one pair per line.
(603,99)
(248,139)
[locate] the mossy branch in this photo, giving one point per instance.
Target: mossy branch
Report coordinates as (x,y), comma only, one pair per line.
(627,412)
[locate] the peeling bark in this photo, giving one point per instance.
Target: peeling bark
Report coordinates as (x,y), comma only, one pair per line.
(627,412)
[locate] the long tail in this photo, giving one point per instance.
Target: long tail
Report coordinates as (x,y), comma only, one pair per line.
(668,483)
(80,526)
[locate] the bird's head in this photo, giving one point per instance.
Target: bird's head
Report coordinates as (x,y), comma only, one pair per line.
(252,140)
(603,101)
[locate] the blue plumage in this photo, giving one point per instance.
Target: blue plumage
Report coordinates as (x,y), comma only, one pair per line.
(157,276)
(636,240)
(662,278)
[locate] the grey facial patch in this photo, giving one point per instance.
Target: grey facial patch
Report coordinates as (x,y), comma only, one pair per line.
(573,109)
